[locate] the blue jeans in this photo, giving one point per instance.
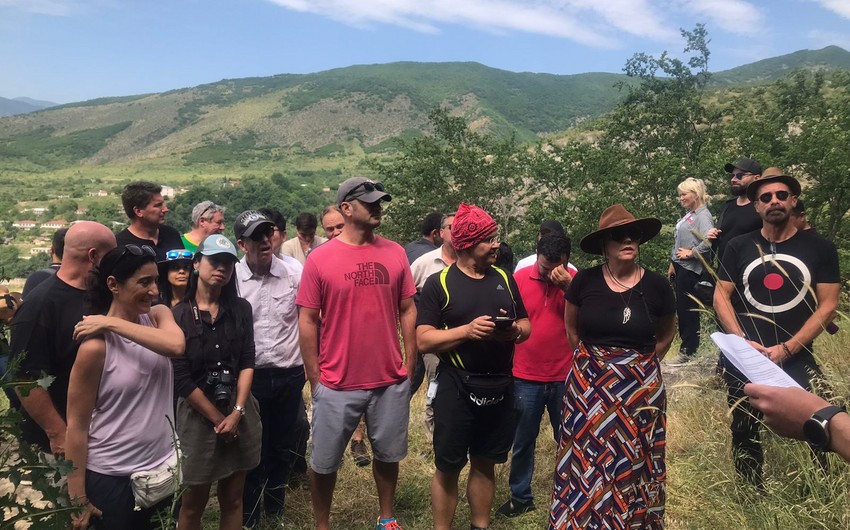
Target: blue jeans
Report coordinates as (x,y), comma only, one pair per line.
(530,400)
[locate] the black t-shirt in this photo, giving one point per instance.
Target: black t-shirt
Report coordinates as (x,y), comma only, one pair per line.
(777,293)
(36,277)
(229,341)
(169,239)
(733,221)
(42,330)
(470,298)
(600,310)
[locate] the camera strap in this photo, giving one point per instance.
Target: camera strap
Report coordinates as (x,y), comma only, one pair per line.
(196,316)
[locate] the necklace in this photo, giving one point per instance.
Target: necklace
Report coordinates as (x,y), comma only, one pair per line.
(627,310)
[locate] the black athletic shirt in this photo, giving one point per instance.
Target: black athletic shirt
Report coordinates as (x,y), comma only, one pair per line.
(470,298)
(777,293)
(733,221)
(42,331)
(600,310)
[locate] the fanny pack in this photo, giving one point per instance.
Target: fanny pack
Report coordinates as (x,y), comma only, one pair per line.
(484,389)
(150,487)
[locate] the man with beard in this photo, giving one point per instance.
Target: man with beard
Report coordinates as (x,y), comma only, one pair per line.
(737,215)
(362,286)
(787,285)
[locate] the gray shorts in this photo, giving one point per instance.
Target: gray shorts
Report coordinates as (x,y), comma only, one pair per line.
(336,414)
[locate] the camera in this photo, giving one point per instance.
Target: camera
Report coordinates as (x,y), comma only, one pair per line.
(220,381)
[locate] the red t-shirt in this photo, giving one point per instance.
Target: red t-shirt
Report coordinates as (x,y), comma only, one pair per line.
(547,355)
(358,290)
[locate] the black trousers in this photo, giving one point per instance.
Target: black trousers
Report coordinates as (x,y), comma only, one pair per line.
(689,329)
(278,393)
(114,497)
(747,452)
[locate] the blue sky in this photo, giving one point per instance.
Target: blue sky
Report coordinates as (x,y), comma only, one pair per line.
(72,50)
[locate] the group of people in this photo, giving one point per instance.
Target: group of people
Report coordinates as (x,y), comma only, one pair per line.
(153,337)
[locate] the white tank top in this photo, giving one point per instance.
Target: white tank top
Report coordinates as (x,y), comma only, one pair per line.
(130,429)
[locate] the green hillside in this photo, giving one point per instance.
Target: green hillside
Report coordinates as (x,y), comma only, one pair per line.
(767,70)
(326,121)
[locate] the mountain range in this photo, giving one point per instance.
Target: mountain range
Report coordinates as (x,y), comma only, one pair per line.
(22,105)
(359,107)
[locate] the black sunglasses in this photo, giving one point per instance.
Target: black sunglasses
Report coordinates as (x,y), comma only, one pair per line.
(767,196)
(620,234)
(135,250)
(369,186)
(260,233)
(739,175)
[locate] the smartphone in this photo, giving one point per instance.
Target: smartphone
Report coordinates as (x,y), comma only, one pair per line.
(503,322)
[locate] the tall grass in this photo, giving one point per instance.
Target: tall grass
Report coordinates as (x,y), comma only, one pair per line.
(702,492)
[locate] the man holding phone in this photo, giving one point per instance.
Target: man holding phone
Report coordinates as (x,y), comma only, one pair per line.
(471,314)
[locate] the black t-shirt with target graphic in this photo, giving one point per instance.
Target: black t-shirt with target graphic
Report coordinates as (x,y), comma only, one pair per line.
(771,281)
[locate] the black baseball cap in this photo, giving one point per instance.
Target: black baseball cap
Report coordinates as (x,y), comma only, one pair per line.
(248,221)
(750,165)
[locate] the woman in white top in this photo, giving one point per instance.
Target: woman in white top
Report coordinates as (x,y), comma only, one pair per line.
(120,391)
(686,265)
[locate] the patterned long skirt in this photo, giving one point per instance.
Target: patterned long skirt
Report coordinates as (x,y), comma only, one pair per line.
(610,469)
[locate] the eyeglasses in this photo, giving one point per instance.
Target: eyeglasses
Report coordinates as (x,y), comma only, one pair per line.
(495,240)
(447,227)
(739,175)
(620,234)
(179,254)
(767,196)
(368,185)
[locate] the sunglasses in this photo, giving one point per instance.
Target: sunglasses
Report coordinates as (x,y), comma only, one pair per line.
(767,196)
(368,186)
(621,234)
(739,175)
(179,254)
(135,250)
(260,233)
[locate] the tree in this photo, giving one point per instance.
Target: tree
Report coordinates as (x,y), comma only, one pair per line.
(453,164)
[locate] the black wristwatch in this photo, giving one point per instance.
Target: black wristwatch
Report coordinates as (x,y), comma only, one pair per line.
(816,428)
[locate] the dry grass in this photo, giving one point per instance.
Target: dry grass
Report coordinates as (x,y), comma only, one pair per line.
(702,493)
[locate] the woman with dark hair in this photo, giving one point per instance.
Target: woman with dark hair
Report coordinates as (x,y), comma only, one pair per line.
(610,470)
(174,272)
(217,418)
(119,394)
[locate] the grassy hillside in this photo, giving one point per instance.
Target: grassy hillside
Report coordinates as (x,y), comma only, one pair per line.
(767,70)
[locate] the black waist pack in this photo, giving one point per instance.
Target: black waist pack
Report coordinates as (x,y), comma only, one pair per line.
(485,389)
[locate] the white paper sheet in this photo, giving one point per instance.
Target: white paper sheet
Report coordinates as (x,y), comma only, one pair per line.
(756,367)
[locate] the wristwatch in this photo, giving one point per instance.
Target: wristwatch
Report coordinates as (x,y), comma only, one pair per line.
(816,428)
(240,410)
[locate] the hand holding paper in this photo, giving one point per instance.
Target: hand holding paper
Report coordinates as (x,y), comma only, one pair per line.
(756,367)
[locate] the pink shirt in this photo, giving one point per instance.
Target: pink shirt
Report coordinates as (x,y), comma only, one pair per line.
(130,428)
(547,355)
(358,290)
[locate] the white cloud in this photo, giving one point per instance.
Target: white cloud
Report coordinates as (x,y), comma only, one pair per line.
(594,23)
(822,39)
(58,8)
(734,16)
(839,7)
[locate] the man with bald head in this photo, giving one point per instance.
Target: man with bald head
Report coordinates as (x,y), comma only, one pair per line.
(42,334)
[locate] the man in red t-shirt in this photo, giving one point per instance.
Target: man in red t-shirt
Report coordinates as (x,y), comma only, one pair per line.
(362,285)
(540,364)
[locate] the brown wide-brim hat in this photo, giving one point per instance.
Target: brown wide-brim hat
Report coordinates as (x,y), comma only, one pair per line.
(614,217)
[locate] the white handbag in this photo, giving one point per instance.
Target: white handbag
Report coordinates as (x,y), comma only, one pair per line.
(150,487)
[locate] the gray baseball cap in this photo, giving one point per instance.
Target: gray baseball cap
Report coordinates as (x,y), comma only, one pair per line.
(362,189)
(217,244)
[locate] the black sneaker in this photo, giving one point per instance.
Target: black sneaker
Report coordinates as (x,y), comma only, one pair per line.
(513,508)
(359,453)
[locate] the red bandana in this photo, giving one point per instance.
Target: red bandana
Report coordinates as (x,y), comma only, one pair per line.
(470,226)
